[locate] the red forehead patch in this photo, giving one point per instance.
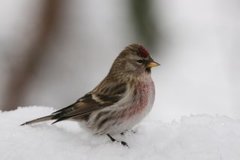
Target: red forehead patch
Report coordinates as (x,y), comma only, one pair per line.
(142,52)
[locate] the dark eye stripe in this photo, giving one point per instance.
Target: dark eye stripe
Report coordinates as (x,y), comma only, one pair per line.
(140,61)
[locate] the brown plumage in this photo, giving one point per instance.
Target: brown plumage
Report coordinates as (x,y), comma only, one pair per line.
(120,101)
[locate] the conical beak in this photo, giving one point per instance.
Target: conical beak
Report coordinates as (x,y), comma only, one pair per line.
(152,64)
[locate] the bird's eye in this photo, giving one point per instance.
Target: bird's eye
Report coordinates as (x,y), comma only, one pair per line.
(140,61)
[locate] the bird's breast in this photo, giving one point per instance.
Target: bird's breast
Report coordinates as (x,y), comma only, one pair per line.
(125,114)
(143,98)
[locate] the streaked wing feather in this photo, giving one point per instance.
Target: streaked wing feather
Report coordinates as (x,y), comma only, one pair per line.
(91,102)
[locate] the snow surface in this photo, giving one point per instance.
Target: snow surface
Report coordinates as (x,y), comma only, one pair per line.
(200,137)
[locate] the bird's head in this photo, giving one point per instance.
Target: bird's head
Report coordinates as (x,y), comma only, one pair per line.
(133,60)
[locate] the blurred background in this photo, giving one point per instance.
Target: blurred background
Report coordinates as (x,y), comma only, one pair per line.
(53,52)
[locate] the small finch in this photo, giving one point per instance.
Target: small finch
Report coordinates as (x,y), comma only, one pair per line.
(119,102)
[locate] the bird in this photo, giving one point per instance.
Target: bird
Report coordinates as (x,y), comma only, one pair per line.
(119,102)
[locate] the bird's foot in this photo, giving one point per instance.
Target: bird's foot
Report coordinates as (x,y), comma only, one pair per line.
(114,140)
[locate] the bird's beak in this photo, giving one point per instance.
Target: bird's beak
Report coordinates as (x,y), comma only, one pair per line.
(152,64)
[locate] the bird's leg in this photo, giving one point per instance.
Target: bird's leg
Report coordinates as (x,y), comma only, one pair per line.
(114,140)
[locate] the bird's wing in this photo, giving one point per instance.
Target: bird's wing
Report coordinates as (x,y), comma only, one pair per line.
(95,100)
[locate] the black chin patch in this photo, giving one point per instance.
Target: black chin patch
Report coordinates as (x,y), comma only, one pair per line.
(148,70)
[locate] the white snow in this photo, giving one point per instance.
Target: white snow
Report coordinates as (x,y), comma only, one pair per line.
(199,137)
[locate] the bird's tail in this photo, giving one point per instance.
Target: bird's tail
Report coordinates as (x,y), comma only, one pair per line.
(41,119)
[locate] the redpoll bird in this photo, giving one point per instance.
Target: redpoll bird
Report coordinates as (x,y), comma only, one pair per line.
(120,101)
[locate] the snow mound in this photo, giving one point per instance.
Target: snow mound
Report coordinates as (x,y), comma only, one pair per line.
(200,137)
